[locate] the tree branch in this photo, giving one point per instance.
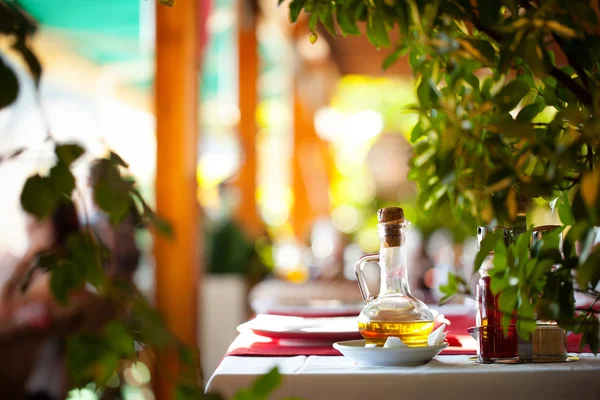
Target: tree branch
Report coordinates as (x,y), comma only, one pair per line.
(582,94)
(573,62)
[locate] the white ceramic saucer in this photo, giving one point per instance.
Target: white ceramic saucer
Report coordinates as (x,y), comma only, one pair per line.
(387,356)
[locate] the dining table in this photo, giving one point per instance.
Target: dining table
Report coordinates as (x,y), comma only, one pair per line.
(315,370)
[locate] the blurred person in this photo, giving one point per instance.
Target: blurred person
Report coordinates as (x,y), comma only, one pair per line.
(119,238)
(29,306)
(440,249)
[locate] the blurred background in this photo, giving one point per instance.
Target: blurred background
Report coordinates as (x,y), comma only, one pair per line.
(289,200)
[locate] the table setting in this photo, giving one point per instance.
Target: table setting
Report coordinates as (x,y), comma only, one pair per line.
(396,334)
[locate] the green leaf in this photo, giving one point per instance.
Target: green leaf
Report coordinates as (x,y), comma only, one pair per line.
(89,256)
(187,356)
(521,248)
(450,289)
(423,158)
(533,51)
(550,97)
(266,384)
(117,160)
(327,21)
(68,153)
(64,278)
(113,197)
(38,196)
(120,339)
(513,128)
(380,30)
(347,22)
(529,112)
(482,48)
(295,9)
(489,12)
(427,92)
(565,212)
(168,3)
(511,95)
(392,58)
(525,318)
(487,245)
(416,133)
(62,179)
(10,85)
(507,302)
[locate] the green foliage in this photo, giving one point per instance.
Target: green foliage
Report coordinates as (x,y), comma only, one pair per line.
(10,85)
(501,123)
(456,284)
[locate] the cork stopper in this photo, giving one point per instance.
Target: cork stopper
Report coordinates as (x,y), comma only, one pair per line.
(391,223)
(390,215)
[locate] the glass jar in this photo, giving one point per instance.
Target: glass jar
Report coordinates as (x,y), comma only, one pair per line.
(494,345)
(394,312)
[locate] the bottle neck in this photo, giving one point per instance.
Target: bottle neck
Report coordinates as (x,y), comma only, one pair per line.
(394,279)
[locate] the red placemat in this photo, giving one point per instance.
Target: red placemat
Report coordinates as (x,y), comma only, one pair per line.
(249,344)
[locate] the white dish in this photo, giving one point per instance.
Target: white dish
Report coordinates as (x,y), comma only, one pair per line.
(356,351)
(309,308)
(283,327)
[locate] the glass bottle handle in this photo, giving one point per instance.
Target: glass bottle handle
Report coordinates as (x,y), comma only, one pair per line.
(360,276)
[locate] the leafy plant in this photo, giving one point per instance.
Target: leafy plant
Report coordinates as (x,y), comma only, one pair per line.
(501,123)
(92,356)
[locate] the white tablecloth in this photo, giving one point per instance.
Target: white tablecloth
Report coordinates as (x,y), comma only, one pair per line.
(446,377)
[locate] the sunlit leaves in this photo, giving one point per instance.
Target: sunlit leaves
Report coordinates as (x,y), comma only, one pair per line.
(511,95)
(529,129)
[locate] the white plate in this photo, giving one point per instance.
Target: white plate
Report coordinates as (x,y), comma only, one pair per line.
(309,308)
(283,327)
(390,356)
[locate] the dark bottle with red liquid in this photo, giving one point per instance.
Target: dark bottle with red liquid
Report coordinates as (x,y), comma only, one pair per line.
(494,345)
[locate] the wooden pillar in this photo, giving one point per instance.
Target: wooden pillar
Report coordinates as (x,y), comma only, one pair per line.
(176,101)
(248,64)
(310,178)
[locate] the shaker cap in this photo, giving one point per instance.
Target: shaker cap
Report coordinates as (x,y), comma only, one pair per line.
(483,231)
(539,232)
(390,214)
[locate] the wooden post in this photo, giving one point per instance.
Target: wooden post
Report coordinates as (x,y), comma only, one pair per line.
(176,100)
(310,178)
(247,212)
